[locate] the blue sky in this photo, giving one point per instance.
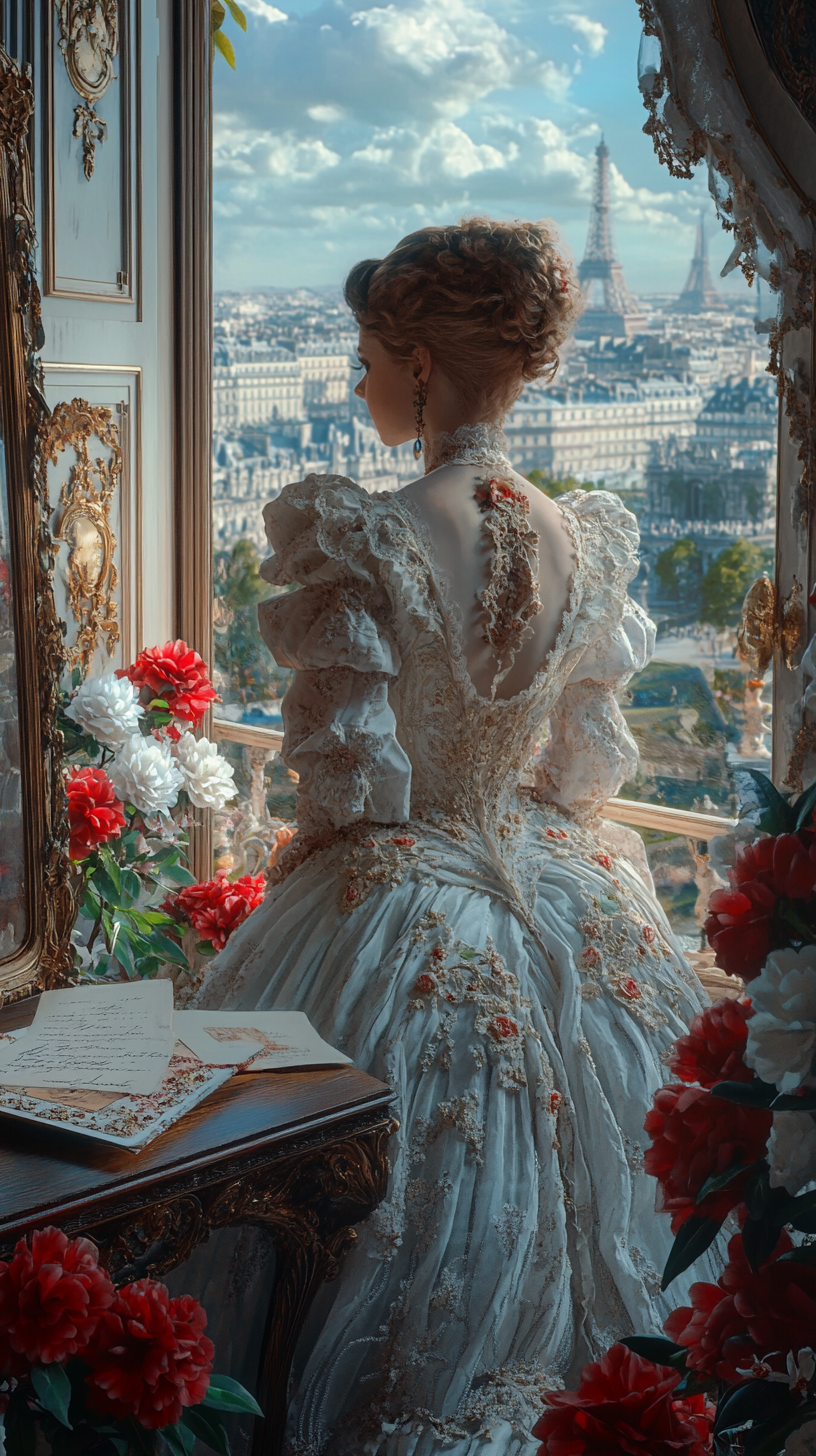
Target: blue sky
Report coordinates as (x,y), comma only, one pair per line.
(348,124)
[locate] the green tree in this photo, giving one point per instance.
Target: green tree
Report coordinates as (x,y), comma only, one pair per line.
(727,580)
(240,654)
(679,567)
(554,487)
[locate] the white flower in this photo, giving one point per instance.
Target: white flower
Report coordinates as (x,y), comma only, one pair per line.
(803,1441)
(792,1151)
(108,708)
(144,774)
(782,1031)
(208,778)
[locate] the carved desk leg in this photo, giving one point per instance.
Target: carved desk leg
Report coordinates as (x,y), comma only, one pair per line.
(310,1204)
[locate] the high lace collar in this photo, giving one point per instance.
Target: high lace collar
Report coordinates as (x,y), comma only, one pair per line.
(481,444)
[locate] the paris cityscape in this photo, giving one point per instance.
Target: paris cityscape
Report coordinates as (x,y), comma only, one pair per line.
(662,398)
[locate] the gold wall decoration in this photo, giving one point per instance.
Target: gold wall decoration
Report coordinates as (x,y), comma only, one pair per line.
(89,40)
(82,521)
(766,625)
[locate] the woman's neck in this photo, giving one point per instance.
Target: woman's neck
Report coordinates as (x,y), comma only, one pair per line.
(480,442)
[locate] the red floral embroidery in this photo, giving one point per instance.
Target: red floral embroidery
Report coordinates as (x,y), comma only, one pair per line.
(502,1027)
(630,989)
(425,984)
(649,934)
(403,841)
(604,860)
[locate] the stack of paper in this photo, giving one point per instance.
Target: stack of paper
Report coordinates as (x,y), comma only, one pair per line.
(118,1064)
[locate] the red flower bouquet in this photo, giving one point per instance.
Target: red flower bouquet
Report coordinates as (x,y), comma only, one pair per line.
(91,1364)
(176,673)
(624,1406)
(217,907)
(94,812)
(149,1357)
(695,1137)
(713,1050)
(746,1314)
(773,890)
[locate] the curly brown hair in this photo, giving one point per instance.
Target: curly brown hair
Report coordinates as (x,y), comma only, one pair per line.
(492,301)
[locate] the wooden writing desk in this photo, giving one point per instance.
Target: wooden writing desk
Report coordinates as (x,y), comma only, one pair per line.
(303,1153)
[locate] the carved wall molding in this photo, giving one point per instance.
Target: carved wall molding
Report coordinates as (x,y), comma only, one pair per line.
(82,521)
(89,41)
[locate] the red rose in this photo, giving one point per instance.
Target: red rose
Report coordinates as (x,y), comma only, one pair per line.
(217,907)
(742,926)
(713,1050)
(695,1136)
(623,1407)
(52,1297)
(94,812)
(744,1314)
(177,674)
(150,1357)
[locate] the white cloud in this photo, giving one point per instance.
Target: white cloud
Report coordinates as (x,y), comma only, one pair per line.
(266,11)
(326,113)
(591,33)
(244,151)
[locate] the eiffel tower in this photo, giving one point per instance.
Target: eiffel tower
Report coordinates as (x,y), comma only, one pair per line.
(699,294)
(619,314)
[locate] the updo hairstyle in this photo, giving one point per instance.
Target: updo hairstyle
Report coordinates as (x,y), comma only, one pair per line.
(492,302)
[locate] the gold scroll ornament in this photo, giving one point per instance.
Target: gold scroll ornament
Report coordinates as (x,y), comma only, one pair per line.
(766,625)
(82,521)
(89,40)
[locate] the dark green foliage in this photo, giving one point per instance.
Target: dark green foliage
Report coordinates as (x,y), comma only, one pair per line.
(725,583)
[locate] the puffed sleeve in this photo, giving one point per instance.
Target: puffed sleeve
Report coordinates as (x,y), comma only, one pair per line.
(590,751)
(339,730)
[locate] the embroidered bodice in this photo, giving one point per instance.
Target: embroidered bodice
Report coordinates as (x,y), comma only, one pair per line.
(382,721)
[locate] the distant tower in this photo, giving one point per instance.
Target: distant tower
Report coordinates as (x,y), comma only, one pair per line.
(699,294)
(618,315)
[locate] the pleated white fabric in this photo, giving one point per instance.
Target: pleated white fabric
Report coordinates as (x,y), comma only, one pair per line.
(454,915)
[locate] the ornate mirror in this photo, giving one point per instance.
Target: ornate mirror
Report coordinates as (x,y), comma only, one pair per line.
(35,901)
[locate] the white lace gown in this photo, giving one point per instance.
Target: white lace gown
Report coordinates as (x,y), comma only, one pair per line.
(482,944)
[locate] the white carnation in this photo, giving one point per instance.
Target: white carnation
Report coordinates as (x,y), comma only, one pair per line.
(792,1151)
(208,778)
(108,708)
(782,1031)
(803,1441)
(144,774)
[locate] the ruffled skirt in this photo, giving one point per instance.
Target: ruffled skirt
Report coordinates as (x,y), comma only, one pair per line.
(520,1002)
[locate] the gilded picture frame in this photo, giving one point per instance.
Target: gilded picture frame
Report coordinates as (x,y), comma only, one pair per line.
(36,905)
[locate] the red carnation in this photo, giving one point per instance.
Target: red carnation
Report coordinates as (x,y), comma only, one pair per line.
(176,673)
(94,812)
(623,1407)
(745,1314)
(52,1297)
(695,1136)
(713,1050)
(150,1357)
(217,907)
(742,926)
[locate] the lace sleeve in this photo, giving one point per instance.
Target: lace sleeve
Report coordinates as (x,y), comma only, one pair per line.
(339,731)
(590,751)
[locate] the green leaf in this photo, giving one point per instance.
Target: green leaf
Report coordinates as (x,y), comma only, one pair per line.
(771,1437)
(131,888)
(178,875)
(217,14)
(805,1255)
(804,806)
(160,703)
(53,1391)
(760,1237)
(167,950)
(793,1102)
(237,14)
(140,1440)
(180,1440)
(163,853)
(224,1393)
(695,1236)
(658,1350)
(746,1094)
(718,1181)
(805,1223)
(106,885)
(224,45)
(777,816)
(91,905)
(207,1428)
(205,948)
(803,1204)
(123,953)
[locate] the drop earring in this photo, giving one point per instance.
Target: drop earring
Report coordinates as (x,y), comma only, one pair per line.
(420,400)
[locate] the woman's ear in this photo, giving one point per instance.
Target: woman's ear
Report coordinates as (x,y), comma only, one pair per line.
(422,364)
